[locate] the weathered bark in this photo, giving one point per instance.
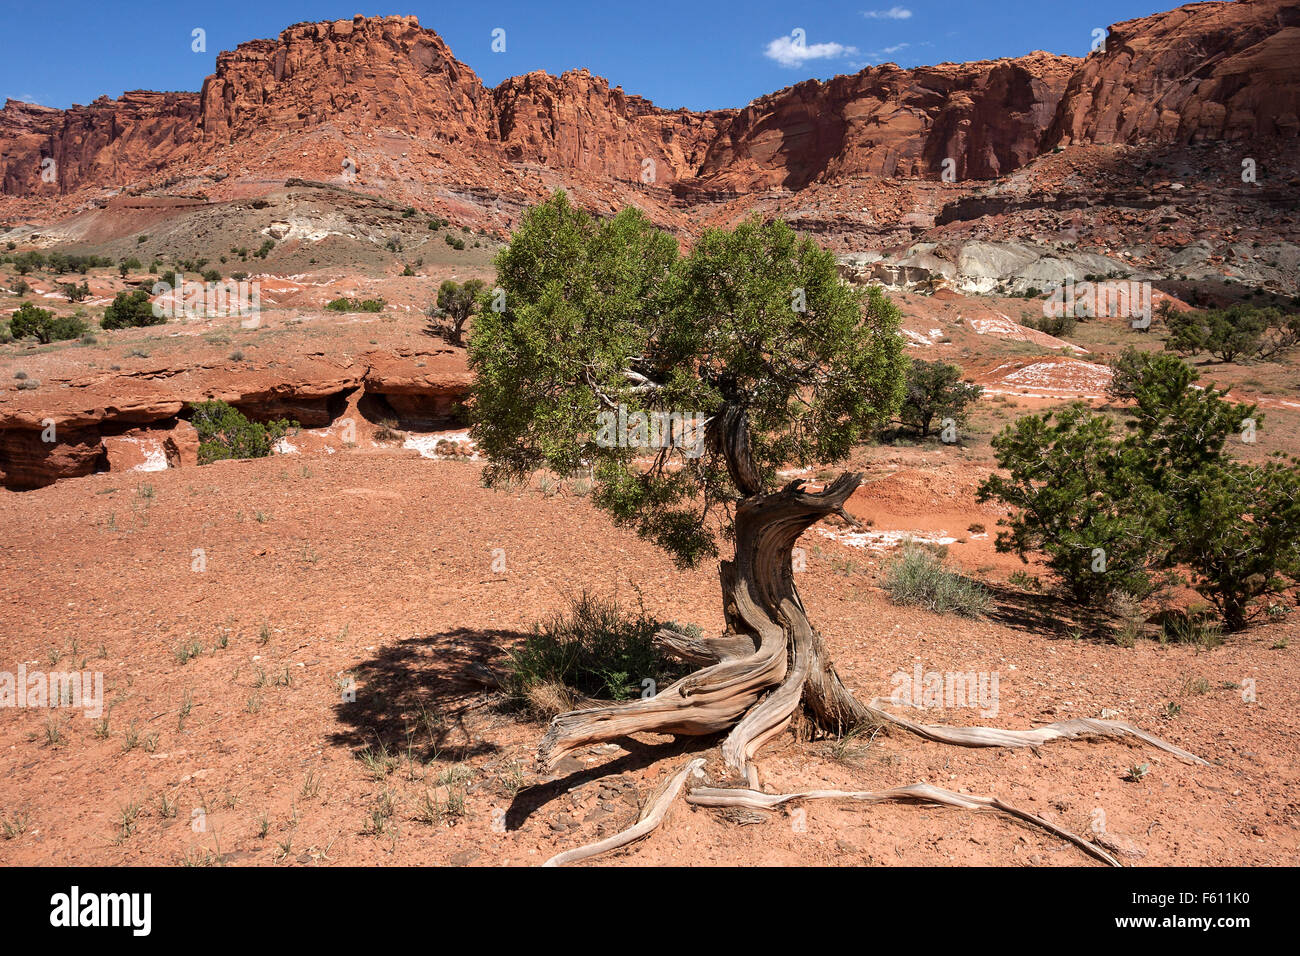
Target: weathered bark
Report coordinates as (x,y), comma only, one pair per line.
(916,793)
(770,662)
(766,615)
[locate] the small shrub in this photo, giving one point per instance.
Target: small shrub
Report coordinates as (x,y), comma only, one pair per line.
(388,432)
(44,325)
(1192,626)
(345,304)
(919,577)
(935,390)
(596,648)
(74,292)
(225,432)
(131,310)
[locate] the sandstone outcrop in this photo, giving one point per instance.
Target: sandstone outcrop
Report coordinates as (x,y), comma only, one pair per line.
(1205,71)
(136,421)
(986,117)
(388,96)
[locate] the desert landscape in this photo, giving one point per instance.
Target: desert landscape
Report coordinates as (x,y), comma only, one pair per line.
(299,386)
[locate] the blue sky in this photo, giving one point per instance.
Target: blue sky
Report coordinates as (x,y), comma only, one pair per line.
(702,54)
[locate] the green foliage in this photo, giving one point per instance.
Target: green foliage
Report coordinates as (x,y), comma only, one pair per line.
(596,648)
(1057,325)
(1238,532)
(355,305)
(1238,332)
(225,432)
(42,324)
(1072,492)
(130,310)
(74,292)
(456,304)
(935,390)
(1164,495)
(601,314)
(918,576)
(25,262)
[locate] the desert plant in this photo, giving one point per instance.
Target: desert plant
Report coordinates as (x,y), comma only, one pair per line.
(918,576)
(596,648)
(1072,495)
(1164,496)
(455,305)
(44,325)
(1238,331)
(935,390)
(73,292)
(225,432)
(131,310)
(345,304)
(755,332)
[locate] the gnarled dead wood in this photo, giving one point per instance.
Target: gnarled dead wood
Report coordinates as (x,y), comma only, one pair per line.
(915,793)
(1078,728)
(651,816)
(704,650)
(762,605)
(771,661)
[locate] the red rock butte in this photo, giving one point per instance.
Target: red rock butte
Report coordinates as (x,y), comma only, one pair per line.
(387,96)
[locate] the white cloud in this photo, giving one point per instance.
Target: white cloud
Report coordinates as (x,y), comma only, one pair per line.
(887,51)
(893,13)
(788,51)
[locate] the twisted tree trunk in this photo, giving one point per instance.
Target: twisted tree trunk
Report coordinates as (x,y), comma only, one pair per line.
(770,661)
(769,646)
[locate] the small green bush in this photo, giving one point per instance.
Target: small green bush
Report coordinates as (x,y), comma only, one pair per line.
(225,432)
(130,310)
(919,577)
(355,305)
(42,324)
(596,648)
(935,390)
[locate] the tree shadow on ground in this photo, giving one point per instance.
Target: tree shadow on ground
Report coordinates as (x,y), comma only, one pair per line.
(1047,614)
(418,692)
(640,755)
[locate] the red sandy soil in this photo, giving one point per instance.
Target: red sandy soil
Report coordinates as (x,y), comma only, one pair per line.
(379,566)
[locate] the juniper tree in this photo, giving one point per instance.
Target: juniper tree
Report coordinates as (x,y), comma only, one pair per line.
(935,390)
(456,304)
(1164,497)
(753,333)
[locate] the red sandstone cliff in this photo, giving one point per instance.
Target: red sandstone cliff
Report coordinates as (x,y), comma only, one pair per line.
(390,91)
(987,117)
(1206,71)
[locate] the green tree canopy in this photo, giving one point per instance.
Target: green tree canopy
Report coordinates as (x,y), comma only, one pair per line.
(753,334)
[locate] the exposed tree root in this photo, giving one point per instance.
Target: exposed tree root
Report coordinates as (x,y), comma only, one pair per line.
(651,816)
(1075,729)
(916,793)
(770,662)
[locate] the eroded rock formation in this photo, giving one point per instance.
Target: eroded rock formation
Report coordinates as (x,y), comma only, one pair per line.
(302,104)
